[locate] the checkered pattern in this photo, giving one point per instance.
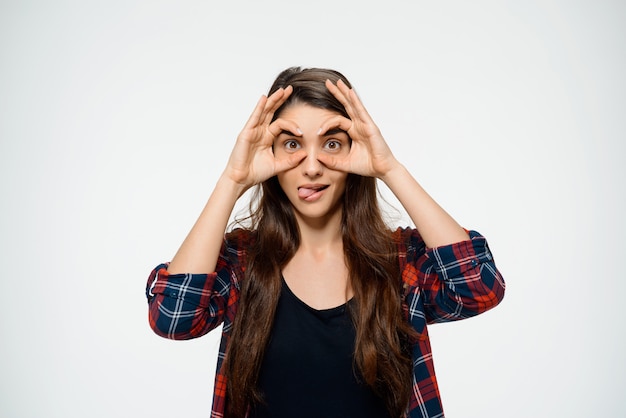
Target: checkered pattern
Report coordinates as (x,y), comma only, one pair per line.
(442,284)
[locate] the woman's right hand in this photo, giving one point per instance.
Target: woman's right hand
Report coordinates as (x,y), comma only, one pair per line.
(252,160)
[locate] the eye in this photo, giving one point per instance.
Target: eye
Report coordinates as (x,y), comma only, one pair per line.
(332,145)
(291,144)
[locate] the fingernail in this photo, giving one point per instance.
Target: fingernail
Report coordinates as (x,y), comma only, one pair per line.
(299,131)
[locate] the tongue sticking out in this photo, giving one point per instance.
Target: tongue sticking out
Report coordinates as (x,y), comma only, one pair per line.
(303,193)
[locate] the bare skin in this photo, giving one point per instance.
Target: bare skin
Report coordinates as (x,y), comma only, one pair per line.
(370,156)
(310,164)
(318,214)
(251,162)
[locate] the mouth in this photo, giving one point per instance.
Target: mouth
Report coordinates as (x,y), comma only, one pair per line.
(311,192)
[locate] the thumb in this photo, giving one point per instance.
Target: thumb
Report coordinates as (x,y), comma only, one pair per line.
(290,162)
(334,163)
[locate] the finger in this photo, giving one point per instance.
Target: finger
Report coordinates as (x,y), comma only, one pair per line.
(289,162)
(275,101)
(281,125)
(335,122)
(334,163)
(278,98)
(267,105)
(345,95)
(254,118)
(355,104)
(339,95)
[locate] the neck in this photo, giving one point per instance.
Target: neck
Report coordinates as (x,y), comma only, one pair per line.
(320,234)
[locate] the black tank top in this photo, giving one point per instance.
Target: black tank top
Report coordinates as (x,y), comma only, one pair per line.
(308,368)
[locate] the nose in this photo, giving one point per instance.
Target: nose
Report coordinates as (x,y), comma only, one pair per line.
(311,166)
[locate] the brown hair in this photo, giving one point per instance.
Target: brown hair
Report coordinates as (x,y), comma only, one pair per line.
(382,352)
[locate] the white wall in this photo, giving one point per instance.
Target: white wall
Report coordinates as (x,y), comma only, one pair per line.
(116,119)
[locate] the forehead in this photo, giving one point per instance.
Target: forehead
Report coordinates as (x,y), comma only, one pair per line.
(302,111)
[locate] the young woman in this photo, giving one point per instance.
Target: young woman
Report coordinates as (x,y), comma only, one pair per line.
(324,308)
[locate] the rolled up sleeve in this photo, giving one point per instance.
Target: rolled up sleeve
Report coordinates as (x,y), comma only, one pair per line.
(461,280)
(185,306)
(450,282)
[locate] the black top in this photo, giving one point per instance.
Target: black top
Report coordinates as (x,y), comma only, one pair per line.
(308,368)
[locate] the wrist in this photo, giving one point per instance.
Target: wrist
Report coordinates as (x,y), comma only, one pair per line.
(227,182)
(394,171)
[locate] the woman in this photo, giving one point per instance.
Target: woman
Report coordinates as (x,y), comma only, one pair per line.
(324,307)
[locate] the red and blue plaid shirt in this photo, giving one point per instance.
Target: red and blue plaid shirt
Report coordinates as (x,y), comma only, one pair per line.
(441,284)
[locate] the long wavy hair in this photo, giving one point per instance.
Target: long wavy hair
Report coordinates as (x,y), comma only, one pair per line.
(382,357)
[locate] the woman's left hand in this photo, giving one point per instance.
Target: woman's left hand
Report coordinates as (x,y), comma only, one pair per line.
(369,153)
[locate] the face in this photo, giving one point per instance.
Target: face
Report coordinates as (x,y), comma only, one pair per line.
(314,190)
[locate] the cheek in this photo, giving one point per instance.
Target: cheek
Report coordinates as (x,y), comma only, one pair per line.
(283,182)
(340,181)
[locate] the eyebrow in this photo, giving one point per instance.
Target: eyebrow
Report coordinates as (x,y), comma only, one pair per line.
(328,133)
(286,132)
(335,131)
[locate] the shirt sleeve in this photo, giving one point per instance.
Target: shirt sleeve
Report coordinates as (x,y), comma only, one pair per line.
(185,306)
(451,282)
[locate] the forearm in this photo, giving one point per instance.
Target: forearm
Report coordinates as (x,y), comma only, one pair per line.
(200,249)
(434,224)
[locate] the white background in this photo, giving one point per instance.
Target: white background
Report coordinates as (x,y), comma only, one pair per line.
(116,119)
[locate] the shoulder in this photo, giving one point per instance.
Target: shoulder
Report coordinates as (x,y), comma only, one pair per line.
(240,237)
(236,246)
(410,248)
(408,242)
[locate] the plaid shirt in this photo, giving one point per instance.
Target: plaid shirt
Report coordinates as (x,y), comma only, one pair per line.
(442,284)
